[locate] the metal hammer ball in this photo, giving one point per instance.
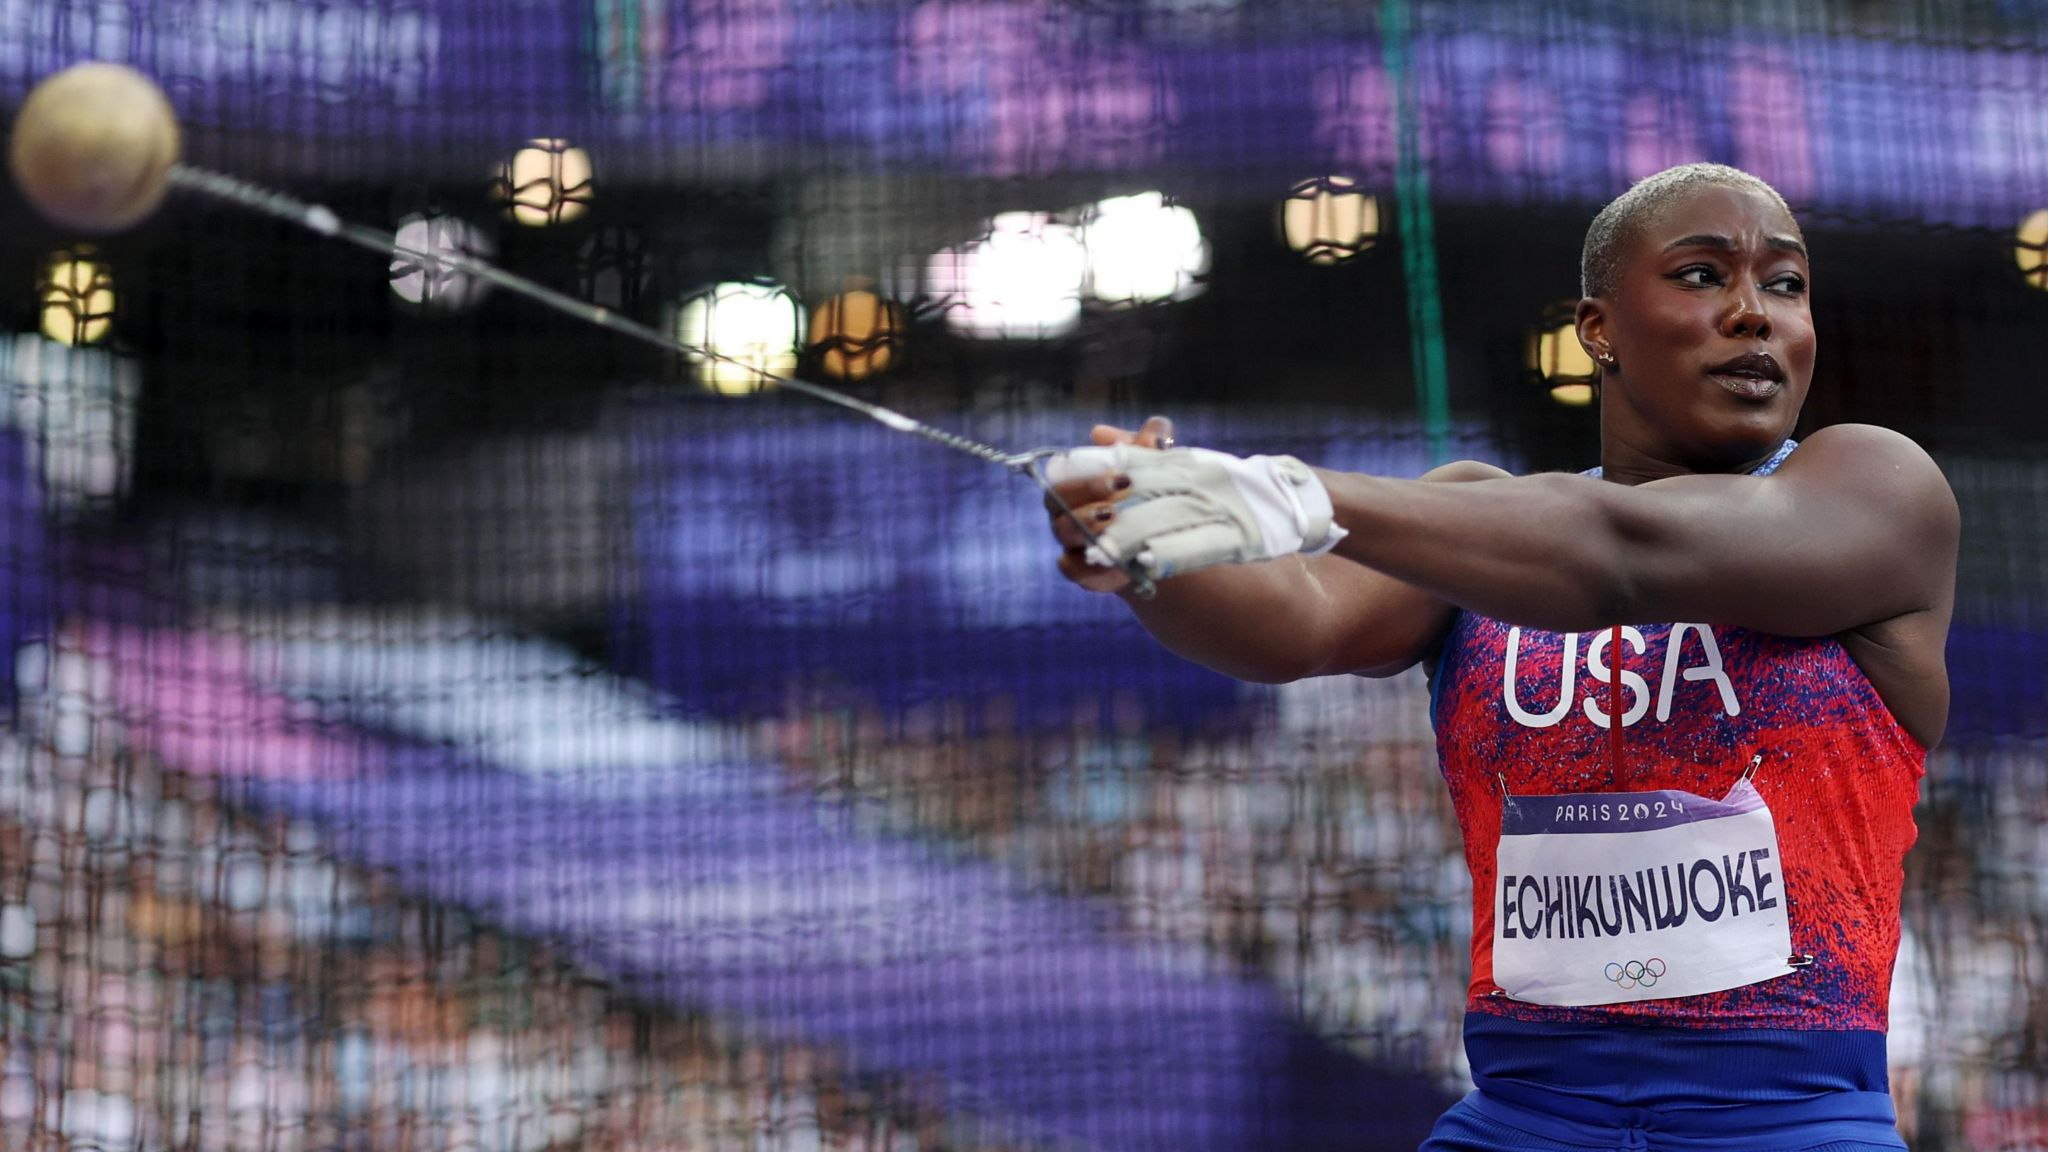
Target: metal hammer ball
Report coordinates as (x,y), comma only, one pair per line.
(93,147)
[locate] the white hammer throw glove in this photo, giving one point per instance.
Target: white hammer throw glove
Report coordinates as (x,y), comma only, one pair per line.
(1192,508)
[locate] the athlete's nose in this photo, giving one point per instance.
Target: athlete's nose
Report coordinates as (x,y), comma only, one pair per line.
(1746,316)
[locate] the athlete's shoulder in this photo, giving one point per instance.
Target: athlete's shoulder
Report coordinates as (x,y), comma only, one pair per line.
(1866,447)
(1882,464)
(1461,471)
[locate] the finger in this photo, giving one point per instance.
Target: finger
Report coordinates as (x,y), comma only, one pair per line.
(1095,516)
(1076,568)
(1093,460)
(1157,432)
(1100,488)
(1196,548)
(1107,434)
(1145,523)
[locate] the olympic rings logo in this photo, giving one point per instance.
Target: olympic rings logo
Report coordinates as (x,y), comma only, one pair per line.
(1636,973)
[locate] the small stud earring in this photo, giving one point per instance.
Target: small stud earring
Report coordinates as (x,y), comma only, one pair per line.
(1607,357)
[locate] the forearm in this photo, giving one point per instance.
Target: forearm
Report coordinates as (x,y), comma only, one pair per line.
(1263,622)
(1544,551)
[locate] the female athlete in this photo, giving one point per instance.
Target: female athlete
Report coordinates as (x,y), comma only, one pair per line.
(1683,924)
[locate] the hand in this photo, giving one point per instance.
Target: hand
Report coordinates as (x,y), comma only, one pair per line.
(1193,508)
(1093,497)
(1179,511)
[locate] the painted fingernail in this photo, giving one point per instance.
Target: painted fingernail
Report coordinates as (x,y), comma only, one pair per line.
(1121,483)
(1104,514)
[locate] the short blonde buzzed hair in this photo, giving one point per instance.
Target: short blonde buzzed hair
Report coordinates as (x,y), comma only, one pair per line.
(1618,223)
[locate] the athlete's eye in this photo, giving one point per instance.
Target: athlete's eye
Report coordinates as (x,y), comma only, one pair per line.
(1697,275)
(1788,285)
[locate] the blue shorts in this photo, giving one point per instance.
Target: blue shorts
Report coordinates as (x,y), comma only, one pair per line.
(1481,1123)
(1581,1088)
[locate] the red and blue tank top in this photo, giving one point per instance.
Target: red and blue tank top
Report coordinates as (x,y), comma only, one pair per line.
(1523,711)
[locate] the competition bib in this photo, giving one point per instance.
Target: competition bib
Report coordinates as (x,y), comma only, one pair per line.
(1609,897)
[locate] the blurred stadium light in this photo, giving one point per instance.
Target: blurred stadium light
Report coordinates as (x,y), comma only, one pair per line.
(1142,250)
(750,330)
(434,286)
(1329,219)
(548,181)
(1020,280)
(1560,361)
(76,291)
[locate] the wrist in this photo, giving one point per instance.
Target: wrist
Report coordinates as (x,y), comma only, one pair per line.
(1291,504)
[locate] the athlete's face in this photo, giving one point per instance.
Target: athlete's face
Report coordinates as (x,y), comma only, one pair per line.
(1710,332)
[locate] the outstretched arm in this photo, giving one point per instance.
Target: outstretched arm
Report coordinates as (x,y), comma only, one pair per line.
(1292,617)
(1855,534)
(1857,527)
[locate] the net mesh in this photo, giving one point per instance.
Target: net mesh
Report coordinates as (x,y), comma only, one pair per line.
(436,723)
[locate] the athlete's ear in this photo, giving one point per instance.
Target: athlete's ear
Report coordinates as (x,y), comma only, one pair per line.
(1591,321)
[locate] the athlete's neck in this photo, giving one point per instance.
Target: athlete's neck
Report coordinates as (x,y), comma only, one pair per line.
(1623,463)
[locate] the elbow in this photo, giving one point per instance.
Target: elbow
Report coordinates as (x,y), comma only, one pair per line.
(1584,573)
(1615,596)
(1596,588)
(1271,670)
(1574,608)
(1613,577)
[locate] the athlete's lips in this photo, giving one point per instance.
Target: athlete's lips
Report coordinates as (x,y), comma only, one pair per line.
(1753,374)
